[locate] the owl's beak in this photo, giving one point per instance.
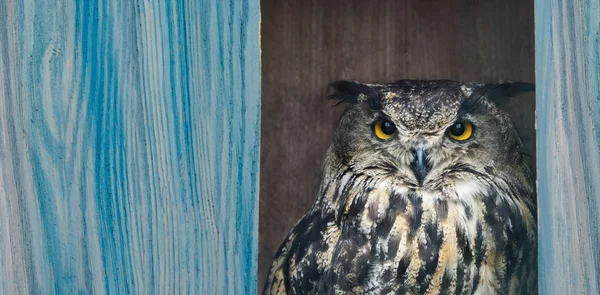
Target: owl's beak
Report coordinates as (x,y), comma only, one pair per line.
(420,165)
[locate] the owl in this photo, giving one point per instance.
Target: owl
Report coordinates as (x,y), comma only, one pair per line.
(426,189)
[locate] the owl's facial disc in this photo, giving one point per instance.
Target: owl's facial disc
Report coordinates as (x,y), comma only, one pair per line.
(424,133)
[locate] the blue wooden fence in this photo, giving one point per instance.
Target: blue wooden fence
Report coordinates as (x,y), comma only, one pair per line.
(129,146)
(568,145)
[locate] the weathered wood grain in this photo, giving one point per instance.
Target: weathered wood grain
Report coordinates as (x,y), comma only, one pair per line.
(129,144)
(307,44)
(568,128)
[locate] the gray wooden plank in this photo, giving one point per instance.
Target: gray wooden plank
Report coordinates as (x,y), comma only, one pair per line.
(568,128)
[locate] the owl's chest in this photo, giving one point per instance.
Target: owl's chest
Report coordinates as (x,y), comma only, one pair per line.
(422,242)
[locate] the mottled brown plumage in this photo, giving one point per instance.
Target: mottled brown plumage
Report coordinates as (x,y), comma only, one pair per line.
(415,210)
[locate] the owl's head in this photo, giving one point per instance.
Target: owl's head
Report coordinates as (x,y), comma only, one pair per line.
(422,132)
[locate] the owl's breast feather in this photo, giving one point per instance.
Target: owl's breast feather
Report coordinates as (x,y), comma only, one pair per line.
(371,236)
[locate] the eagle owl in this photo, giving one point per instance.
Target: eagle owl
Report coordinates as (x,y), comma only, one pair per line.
(426,190)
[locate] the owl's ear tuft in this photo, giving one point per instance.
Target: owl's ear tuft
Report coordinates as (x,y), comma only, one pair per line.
(506,89)
(497,92)
(345,91)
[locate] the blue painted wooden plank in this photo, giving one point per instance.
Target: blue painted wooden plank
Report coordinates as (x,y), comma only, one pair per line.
(129,146)
(568,145)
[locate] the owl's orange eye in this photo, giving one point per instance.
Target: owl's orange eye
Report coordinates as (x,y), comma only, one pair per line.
(460,131)
(384,129)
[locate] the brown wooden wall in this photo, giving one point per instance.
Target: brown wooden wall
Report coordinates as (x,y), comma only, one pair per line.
(307,44)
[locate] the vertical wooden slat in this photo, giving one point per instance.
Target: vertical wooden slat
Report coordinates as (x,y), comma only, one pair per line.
(568,145)
(129,144)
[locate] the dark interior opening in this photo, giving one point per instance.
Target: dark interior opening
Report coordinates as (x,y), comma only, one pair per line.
(307,44)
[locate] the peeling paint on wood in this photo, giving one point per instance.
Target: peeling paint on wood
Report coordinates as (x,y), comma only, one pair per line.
(129,145)
(568,145)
